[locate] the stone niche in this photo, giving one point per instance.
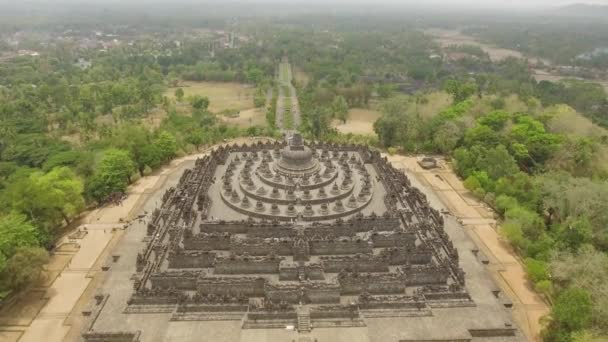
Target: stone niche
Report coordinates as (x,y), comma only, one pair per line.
(293,272)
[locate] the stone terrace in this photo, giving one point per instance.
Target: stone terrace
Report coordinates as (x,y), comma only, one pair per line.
(328,241)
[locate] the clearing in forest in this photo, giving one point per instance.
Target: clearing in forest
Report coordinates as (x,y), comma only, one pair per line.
(247,118)
(222,95)
(360,121)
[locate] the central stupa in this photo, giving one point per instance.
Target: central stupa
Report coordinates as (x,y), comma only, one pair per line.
(297,158)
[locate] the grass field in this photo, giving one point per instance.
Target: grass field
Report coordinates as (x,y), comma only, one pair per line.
(247,118)
(360,121)
(436,102)
(222,96)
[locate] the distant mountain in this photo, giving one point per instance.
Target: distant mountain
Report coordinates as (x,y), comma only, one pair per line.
(584,9)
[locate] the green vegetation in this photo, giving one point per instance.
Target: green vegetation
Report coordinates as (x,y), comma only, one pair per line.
(72,138)
(544,183)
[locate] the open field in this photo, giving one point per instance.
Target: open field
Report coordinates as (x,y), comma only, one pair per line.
(222,96)
(435,103)
(247,118)
(446,38)
(360,121)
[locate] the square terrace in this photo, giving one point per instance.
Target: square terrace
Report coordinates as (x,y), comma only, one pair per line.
(280,242)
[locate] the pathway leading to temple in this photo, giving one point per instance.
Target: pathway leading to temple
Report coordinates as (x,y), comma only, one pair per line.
(288,116)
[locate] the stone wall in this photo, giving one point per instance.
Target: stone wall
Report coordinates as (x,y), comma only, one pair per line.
(180,280)
(259,247)
(232,286)
(357,283)
(247,265)
(93,336)
(340,246)
(208,242)
(360,263)
(401,256)
(191,259)
(425,274)
(394,239)
(294,272)
(315,293)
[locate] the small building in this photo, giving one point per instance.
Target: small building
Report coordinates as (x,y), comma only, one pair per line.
(428,163)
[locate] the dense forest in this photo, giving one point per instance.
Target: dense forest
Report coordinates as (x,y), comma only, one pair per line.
(72,138)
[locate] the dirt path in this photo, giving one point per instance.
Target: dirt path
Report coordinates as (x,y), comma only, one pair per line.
(51,311)
(504,264)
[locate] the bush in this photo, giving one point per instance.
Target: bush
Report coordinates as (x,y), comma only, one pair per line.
(392,150)
(572,310)
(545,287)
(514,234)
(537,270)
(498,103)
(472,183)
(504,203)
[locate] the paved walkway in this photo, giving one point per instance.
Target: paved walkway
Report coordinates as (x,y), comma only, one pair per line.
(478,220)
(50,311)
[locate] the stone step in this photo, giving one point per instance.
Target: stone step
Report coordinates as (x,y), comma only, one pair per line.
(304,322)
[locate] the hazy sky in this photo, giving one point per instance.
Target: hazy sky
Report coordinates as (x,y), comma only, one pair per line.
(393,2)
(378,4)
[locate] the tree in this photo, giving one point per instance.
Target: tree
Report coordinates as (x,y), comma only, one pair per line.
(47,199)
(568,198)
(179,94)
(199,102)
(460,91)
(497,162)
(167,145)
(196,137)
(16,232)
(339,108)
(318,120)
(24,267)
(482,135)
(572,310)
(586,269)
(254,75)
(113,174)
(447,136)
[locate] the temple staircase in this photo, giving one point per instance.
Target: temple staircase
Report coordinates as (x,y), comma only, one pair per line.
(304,320)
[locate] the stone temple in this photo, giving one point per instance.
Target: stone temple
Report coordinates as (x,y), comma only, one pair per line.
(288,242)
